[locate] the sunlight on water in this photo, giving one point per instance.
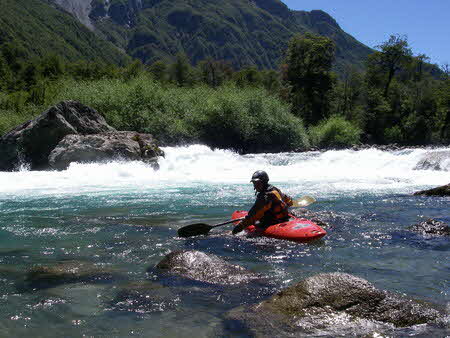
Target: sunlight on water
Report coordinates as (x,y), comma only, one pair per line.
(125,216)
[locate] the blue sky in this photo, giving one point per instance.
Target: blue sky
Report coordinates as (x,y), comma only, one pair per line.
(426,23)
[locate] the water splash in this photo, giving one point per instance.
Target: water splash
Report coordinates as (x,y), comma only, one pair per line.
(197,166)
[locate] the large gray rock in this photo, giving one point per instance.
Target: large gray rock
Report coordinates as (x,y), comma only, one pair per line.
(104,147)
(439,191)
(333,304)
(437,160)
(32,142)
(199,266)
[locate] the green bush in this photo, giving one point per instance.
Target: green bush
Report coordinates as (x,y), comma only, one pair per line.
(393,135)
(247,120)
(14,111)
(336,131)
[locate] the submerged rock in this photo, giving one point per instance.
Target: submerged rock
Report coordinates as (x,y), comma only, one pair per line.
(199,266)
(144,297)
(122,145)
(439,191)
(438,160)
(46,276)
(333,302)
(431,227)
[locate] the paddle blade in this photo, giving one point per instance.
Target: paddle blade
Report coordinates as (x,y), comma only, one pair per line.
(303,201)
(194,230)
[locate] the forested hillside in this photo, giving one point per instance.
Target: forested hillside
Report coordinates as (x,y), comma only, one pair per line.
(242,32)
(38,28)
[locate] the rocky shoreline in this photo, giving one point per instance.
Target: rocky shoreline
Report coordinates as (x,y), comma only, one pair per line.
(72,132)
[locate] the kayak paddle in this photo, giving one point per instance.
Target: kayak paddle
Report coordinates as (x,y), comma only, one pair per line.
(201,228)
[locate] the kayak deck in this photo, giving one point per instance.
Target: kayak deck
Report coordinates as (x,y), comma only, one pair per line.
(296,229)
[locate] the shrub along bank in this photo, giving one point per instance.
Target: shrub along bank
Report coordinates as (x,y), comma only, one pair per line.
(244,119)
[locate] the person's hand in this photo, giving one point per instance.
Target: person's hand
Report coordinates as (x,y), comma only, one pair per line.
(238,228)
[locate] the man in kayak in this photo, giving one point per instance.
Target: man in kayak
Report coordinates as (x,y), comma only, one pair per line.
(271,205)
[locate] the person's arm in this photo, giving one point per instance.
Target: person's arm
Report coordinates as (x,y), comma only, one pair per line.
(255,213)
(287,199)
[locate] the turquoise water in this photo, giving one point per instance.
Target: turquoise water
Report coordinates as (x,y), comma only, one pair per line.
(125,216)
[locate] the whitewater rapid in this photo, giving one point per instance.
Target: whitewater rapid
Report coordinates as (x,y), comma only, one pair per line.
(328,173)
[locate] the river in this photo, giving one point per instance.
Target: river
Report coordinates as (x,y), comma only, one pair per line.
(125,216)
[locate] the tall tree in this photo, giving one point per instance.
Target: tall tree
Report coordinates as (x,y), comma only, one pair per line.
(308,73)
(394,55)
(214,73)
(248,76)
(181,71)
(5,74)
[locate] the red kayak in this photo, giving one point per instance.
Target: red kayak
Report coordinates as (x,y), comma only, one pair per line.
(296,229)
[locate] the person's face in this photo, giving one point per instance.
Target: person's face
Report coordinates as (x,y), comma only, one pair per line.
(258,185)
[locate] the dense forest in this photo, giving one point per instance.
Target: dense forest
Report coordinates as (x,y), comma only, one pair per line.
(399,98)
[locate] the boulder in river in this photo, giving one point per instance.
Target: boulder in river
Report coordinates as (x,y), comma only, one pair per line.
(32,142)
(439,191)
(68,132)
(431,227)
(206,268)
(123,145)
(333,304)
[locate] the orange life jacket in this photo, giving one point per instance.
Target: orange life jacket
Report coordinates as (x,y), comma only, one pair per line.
(271,207)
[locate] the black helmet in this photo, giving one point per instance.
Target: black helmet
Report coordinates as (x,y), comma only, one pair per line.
(260,175)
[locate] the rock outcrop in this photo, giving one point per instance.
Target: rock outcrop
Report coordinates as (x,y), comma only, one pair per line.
(122,145)
(439,191)
(201,267)
(333,303)
(71,132)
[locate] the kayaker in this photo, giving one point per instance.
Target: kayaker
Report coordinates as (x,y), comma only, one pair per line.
(271,205)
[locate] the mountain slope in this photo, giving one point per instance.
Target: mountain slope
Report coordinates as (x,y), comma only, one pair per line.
(241,31)
(42,28)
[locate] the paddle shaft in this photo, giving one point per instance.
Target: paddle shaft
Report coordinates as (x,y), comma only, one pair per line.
(227,222)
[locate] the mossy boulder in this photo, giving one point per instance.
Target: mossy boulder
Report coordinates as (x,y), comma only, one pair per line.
(335,303)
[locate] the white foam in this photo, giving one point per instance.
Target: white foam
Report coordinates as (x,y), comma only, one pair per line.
(193,166)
